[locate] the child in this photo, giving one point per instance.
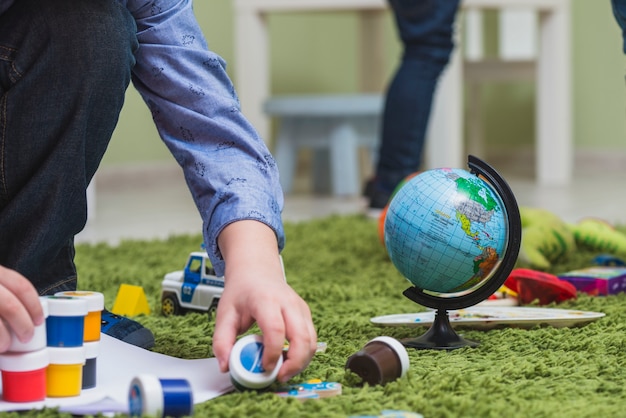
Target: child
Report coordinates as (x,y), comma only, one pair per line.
(64,69)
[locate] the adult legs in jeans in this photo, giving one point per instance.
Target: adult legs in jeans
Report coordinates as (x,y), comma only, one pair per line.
(426,29)
(64,69)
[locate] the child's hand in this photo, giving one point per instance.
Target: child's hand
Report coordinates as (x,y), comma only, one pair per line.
(280,313)
(255,290)
(20,309)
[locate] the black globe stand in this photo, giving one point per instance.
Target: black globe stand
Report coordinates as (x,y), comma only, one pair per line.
(441,335)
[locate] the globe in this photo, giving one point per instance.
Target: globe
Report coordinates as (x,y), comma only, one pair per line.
(445,230)
(455,236)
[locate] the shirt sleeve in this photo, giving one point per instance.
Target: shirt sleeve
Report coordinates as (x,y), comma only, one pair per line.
(229,170)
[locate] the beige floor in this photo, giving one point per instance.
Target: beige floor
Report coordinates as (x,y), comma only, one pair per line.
(149,202)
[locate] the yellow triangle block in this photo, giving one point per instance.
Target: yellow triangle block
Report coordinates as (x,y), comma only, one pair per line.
(130,301)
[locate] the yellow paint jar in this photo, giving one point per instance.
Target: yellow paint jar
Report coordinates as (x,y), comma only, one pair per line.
(93,319)
(64,376)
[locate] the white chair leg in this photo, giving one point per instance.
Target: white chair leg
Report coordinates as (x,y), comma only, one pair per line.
(286,154)
(320,171)
(344,160)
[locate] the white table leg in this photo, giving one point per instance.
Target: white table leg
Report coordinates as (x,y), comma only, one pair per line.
(554,152)
(444,139)
(252,74)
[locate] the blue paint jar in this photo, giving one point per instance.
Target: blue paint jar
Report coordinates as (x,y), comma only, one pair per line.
(150,395)
(66,321)
(95,305)
(246,371)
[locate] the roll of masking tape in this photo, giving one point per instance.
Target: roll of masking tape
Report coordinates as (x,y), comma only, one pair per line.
(150,395)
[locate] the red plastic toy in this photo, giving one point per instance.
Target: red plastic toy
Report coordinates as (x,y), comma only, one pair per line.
(532,284)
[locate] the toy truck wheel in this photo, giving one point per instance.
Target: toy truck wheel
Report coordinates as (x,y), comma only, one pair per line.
(213,308)
(170,305)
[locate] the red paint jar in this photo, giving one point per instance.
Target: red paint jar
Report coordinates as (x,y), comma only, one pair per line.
(24,376)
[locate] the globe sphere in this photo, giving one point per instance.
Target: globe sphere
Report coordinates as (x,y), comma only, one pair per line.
(445,230)
(381,217)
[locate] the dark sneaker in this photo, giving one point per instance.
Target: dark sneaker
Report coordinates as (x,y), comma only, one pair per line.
(377,199)
(127,330)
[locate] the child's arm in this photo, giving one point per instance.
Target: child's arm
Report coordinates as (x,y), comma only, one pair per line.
(255,290)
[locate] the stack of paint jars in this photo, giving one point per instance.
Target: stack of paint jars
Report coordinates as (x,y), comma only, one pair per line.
(65,330)
(60,359)
(24,366)
(91,332)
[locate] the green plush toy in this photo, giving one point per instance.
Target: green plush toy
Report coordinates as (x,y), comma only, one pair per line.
(599,235)
(545,237)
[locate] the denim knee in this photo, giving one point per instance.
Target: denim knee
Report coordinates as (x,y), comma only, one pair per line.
(102,35)
(68,284)
(88,40)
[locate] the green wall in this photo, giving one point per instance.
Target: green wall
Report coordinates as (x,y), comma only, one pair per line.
(598,70)
(323,58)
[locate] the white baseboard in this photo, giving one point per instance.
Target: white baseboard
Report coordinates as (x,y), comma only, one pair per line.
(519,161)
(522,160)
(142,174)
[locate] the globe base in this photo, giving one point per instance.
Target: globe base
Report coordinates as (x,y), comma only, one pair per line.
(440,336)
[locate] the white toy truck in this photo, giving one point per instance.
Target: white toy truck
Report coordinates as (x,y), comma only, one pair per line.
(196,288)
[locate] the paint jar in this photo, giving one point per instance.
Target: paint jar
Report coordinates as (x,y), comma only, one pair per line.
(24,376)
(381,360)
(149,395)
(93,319)
(65,325)
(65,372)
(90,367)
(246,371)
(38,341)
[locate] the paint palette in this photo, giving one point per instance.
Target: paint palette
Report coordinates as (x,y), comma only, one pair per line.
(488,317)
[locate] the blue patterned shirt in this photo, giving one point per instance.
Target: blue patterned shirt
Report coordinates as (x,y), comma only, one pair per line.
(228,168)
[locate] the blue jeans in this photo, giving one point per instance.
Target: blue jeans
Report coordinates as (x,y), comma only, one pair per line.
(64,69)
(426,30)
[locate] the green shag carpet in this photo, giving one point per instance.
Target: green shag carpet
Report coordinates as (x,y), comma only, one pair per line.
(339,266)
